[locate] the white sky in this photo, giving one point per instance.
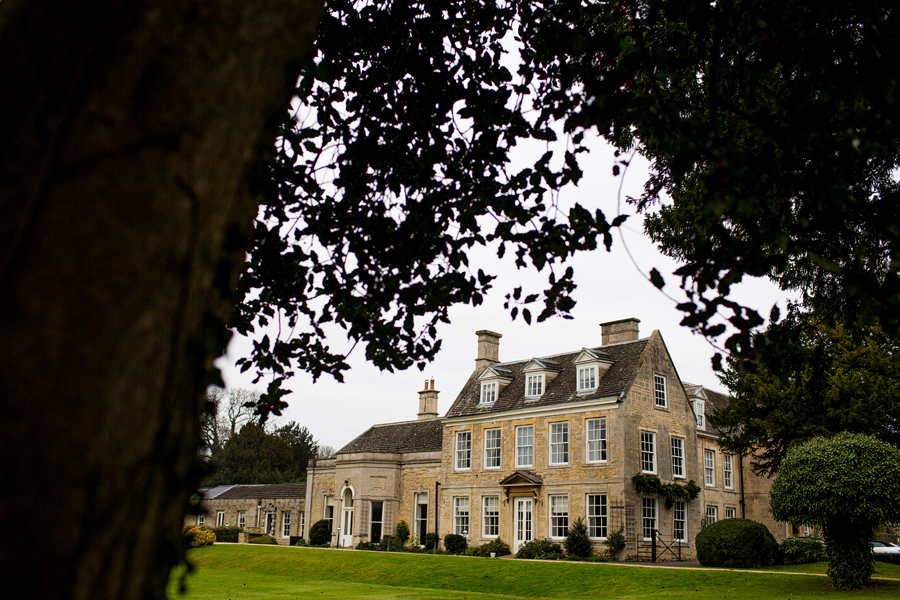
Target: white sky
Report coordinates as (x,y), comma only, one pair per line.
(610,287)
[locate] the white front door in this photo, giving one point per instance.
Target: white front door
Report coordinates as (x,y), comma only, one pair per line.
(347,529)
(523,522)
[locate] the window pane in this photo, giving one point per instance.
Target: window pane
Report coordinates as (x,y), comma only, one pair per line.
(648,518)
(491,448)
(679,522)
(677,457)
(559,516)
(464,450)
(461,515)
(491,516)
(596,434)
(648,452)
(659,389)
(524,446)
(559,443)
(597,515)
(709,467)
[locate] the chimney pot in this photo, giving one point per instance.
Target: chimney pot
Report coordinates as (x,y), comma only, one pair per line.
(428,399)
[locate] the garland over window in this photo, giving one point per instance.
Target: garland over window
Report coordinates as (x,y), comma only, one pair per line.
(670,492)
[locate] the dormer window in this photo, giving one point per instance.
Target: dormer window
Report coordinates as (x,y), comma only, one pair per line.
(488,392)
(700,410)
(534,385)
(587,378)
(590,367)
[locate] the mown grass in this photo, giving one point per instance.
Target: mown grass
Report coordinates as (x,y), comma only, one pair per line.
(239,572)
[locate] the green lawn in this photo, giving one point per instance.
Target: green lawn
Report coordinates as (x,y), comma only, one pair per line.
(237,572)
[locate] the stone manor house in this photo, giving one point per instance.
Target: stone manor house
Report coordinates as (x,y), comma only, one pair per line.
(527,447)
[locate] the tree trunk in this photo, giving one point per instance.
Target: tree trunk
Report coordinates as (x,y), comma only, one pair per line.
(129,140)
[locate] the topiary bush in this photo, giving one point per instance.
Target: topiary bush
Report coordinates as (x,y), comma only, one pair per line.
(401,533)
(430,540)
(263,539)
(497,546)
(227,534)
(197,537)
(320,533)
(615,543)
(577,541)
(802,551)
(540,549)
(736,543)
(454,543)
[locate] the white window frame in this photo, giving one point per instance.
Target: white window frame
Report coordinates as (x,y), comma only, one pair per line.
(461,515)
(559,443)
(242,518)
(649,514)
(463,455)
(700,411)
(220,518)
(709,467)
(728,471)
(586,379)
(660,398)
(559,516)
(492,448)
(712,513)
(596,440)
(597,516)
(490,518)
(534,385)
(731,513)
(678,471)
(522,446)
(648,452)
(679,518)
(285,524)
(302,523)
(328,515)
(488,392)
(200,520)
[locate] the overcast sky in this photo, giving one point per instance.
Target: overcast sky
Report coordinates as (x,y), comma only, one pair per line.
(610,287)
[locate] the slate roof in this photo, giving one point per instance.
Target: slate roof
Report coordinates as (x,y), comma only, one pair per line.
(408,436)
(274,490)
(625,356)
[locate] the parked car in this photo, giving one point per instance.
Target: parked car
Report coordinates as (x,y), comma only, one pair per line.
(884,548)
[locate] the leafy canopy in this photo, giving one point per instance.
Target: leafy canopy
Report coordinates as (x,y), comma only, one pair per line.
(771,129)
(847,485)
(807,377)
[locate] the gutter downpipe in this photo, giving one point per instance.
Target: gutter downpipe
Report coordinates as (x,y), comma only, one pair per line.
(437,486)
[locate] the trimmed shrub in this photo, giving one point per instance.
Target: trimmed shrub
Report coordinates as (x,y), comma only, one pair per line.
(736,543)
(802,551)
(577,542)
(431,540)
(615,543)
(320,533)
(454,543)
(197,537)
(263,539)
(893,559)
(302,543)
(540,549)
(497,546)
(368,546)
(227,534)
(401,533)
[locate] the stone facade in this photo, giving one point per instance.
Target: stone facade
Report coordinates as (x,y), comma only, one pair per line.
(278,510)
(531,445)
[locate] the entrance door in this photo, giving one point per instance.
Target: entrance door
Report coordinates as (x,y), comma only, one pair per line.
(347,521)
(270,524)
(523,522)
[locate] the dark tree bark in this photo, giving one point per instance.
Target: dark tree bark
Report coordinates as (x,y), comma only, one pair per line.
(129,137)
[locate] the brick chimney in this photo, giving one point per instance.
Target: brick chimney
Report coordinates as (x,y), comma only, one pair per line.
(488,349)
(623,330)
(428,401)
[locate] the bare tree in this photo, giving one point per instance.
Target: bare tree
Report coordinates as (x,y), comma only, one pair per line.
(227,410)
(326,451)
